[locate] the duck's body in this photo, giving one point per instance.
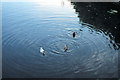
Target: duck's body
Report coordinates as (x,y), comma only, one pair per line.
(42,51)
(65,48)
(74,34)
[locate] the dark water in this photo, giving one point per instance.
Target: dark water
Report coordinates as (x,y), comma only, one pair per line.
(29,26)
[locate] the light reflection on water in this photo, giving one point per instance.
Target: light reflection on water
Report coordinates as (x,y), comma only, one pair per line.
(28,26)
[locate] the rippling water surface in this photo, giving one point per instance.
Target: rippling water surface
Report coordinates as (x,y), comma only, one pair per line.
(29,26)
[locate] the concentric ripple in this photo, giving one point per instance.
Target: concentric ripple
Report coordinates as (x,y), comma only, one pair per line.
(57,44)
(90,53)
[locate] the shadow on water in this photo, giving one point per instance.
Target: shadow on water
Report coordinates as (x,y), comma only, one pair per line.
(91,52)
(101,16)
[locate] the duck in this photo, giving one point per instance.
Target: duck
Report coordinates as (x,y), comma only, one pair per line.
(74,34)
(65,48)
(42,51)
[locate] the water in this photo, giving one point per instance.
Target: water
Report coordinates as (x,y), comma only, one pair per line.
(29,26)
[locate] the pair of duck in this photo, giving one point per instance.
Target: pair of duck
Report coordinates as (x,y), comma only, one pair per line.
(65,48)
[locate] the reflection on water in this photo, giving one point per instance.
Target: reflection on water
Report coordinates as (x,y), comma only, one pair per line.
(92,53)
(103,16)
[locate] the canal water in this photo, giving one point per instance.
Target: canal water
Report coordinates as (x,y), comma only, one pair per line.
(28,26)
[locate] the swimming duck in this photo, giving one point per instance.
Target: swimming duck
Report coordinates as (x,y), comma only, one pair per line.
(74,34)
(42,51)
(65,48)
